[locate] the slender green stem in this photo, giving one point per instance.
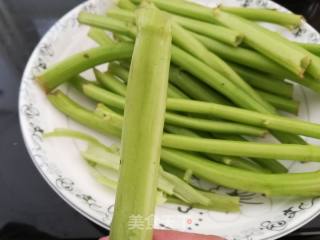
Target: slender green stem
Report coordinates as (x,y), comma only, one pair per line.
(273,165)
(265,15)
(311,47)
(78,81)
(99,36)
(184,8)
(123,73)
(119,71)
(107,23)
(122,14)
(304,184)
(194,88)
(189,43)
(219,33)
(110,83)
(213,79)
(126,4)
(72,66)
(175,92)
(264,82)
(183,121)
(273,122)
(280,103)
(243,56)
(80,114)
(140,154)
(297,184)
(256,61)
(268,121)
(230,161)
(104,96)
(243,149)
(285,55)
(62,132)
(212,126)
(314,66)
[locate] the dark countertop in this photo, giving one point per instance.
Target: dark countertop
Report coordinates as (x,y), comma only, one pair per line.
(25,197)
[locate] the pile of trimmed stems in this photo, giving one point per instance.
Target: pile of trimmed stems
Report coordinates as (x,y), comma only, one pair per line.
(229,79)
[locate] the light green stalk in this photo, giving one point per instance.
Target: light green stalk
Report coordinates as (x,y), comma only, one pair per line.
(280,103)
(110,83)
(264,82)
(295,184)
(217,81)
(123,73)
(119,71)
(273,165)
(80,114)
(175,92)
(273,122)
(72,66)
(219,33)
(311,47)
(108,23)
(194,88)
(282,124)
(256,61)
(230,161)
(314,66)
(188,42)
(143,126)
(126,4)
(114,100)
(243,149)
(99,36)
(266,15)
(288,57)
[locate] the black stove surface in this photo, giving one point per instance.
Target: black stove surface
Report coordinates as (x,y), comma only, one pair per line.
(27,203)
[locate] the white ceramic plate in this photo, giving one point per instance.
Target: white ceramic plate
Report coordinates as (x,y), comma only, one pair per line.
(59,162)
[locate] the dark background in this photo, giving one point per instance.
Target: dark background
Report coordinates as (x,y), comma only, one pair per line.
(25,198)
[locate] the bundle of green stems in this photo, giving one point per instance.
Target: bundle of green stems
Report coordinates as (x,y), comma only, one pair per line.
(188,85)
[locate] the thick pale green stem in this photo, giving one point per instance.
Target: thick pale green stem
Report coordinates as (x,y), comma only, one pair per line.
(143,126)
